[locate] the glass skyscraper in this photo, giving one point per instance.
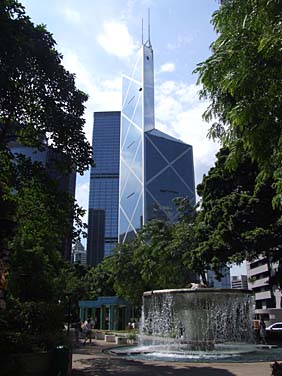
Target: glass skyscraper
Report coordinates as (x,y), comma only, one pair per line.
(155,168)
(104,187)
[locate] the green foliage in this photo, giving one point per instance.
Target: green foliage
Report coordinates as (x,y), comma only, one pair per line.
(242,80)
(100,280)
(237,220)
(39,106)
(30,326)
(39,103)
(38,97)
(148,262)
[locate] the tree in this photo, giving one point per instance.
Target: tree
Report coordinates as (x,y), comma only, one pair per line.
(39,104)
(38,97)
(242,79)
(149,262)
(100,280)
(187,234)
(237,215)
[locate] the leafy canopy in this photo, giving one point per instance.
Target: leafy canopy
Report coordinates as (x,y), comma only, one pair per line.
(242,79)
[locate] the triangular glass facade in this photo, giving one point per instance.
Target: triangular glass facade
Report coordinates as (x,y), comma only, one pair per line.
(154,167)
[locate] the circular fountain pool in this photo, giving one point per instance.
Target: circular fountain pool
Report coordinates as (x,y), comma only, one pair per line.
(201,325)
(221,354)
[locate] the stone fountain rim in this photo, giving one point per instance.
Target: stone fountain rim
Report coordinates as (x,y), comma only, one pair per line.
(198,290)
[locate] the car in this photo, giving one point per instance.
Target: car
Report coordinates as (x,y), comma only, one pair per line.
(277,327)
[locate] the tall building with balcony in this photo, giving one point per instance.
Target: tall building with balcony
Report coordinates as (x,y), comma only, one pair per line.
(268,302)
(155,168)
(104,187)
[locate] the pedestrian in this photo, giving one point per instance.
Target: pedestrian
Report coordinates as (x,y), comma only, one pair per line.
(262,331)
(87,329)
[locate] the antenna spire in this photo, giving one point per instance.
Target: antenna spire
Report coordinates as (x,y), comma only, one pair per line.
(142,31)
(149,26)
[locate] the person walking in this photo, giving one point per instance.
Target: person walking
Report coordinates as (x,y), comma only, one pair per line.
(87,329)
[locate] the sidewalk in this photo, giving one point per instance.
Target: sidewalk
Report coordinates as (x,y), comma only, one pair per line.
(92,361)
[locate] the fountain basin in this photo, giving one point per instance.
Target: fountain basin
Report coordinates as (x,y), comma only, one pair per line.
(197,319)
(201,325)
(221,354)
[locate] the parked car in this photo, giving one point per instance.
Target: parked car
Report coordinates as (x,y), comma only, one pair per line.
(277,327)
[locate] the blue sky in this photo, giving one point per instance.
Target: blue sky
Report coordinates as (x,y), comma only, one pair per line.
(99,40)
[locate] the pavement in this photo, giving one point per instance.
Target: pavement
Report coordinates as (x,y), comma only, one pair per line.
(93,360)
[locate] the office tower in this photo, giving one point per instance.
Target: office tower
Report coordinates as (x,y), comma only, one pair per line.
(155,168)
(239,282)
(50,159)
(78,254)
(104,187)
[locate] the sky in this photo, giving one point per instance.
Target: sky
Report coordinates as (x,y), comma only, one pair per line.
(99,41)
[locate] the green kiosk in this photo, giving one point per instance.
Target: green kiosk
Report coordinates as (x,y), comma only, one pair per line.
(108,312)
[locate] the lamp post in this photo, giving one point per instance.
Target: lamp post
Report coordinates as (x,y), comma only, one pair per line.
(68,295)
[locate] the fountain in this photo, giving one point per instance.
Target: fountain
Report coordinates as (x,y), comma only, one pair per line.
(201,324)
(197,319)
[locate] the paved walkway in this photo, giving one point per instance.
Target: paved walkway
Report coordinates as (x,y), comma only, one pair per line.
(92,361)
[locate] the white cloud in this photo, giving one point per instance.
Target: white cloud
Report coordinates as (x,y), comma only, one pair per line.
(71,15)
(113,84)
(180,42)
(104,95)
(183,93)
(116,40)
(82,189)
(167,67)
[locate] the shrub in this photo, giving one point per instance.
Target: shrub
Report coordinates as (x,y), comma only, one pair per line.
(31,326)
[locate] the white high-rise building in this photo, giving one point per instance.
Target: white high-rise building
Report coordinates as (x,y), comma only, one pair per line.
(267,295)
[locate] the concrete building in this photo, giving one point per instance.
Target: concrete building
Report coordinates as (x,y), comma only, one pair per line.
(239,282)
(268,302)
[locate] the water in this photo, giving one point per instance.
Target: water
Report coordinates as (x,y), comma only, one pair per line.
(196,319)
(202,325)
(237,355)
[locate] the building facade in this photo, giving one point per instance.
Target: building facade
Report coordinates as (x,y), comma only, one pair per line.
(78,254)
(223,283)
(239,282)
(268,302)
(104,187)
(155,168)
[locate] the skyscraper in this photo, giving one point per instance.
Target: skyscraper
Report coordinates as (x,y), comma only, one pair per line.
(78,253)
(104,187)
(155,168)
